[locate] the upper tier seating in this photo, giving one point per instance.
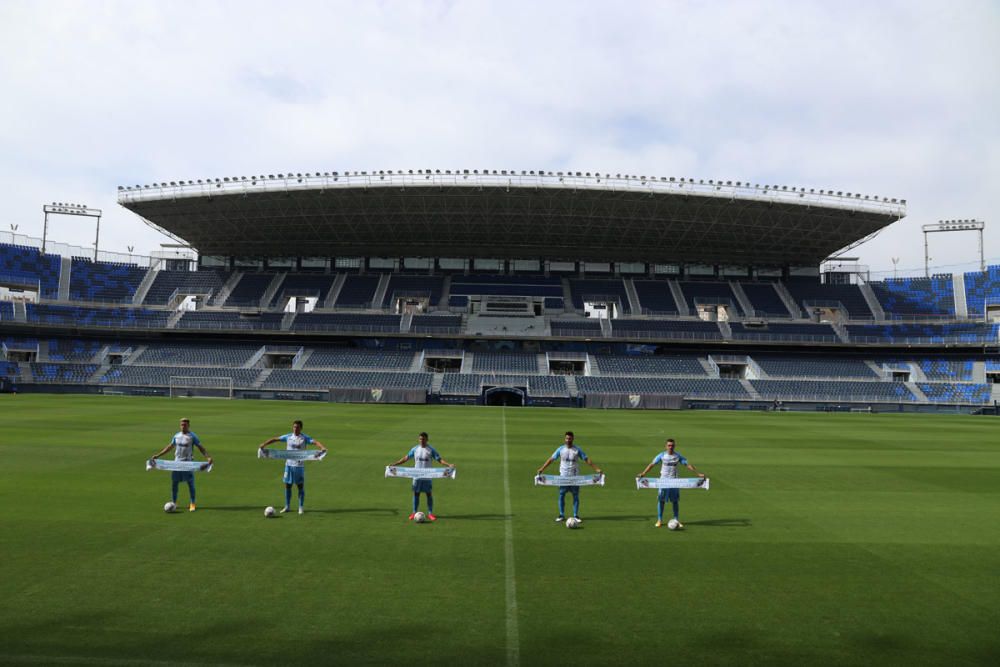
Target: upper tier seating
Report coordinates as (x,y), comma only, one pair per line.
(344,358)
(305,285)
(916,296)
(200,354)
(655,297)
(436,324)
(832,390)
(765,300)
(808,292)
(346,322)
(32,266)
(62,373)
(506,285)
(709,293)
(946,392)
(97,317)
(679,329)
(193,282)
(946,369)
(504,362)
(963,332)
(6,310)
(696,387)
(289,379)
(982,288)
(589,328)
(207,319)
(785,331)
(357,292)
(598,290)
(73,350)
(415,286)
(104,281)
(785,367)
(250,289)
(648,364)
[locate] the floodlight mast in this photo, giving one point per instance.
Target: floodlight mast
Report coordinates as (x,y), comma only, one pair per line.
(61,208)
(953,226)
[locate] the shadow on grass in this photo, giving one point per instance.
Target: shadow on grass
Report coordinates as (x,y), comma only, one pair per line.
(385,511)
(721,523)
(475,517)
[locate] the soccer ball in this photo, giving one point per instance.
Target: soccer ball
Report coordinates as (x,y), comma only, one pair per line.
(420,517)
(673,524)
(169,507)
(572,522)
(269,511)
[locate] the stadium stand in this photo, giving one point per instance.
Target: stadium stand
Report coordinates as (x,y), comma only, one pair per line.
(72,350)
(6,310)
(30,264)
(504,362)
(471,384)
(346,322)
(947,392)
(680,329)
(357,292)
(304,285)
(589,328)
(832,390)
(785,331)
(808,292)
(291,379)
(916,296)
(598,290)
(195,282)
(250,289)
(206,319)
(62,373)
(104,281)
(648,364)
(960,332)
(709,293)
(413,286)
(339,358)
(447,324)
(97,317)
(765,300)
(946,369)
(483,285)
(201,354)
(655,297)
(982,288)
(696,387)
(159,376)
(784,367)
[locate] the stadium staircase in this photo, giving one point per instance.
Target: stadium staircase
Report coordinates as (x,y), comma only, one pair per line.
(750,389)
(287,320)
(417,365)
(916,372)
(272,289)
(978,371)
(633,296)
(95,377)
(710,369)
(301,358)
(995,395)
(872,301)
(43,352)
(261,379)
(917,392)
(605,327)
(741,298)
(841,331)
(876,368)
(786,298)
(405,322)
(445,293)
(958,287)
(174,319)
(725,329)
(568,296)
(574,391)
(227,288)
(255,357)
(130,359)
(675,290)
(383,287)
(466,366)
(543,364)
(65,274)
(144,285)
(331,296)
(20,312)
(24,368)
(436,383)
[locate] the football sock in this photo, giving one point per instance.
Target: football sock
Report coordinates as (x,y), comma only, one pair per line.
(288,495)
(302,495)
(677,509)
(173,492)
(576,504)
(659,511)
(191,489)
(430,503)
(416,502)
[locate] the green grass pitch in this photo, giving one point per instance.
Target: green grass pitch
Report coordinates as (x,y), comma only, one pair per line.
(848,539)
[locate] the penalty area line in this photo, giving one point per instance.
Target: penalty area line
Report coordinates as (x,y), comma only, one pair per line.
(513,640)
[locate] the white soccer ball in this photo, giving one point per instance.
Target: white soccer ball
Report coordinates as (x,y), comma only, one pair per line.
(420,517)
(169,507)
(269,511)
(572,522)
(673,524)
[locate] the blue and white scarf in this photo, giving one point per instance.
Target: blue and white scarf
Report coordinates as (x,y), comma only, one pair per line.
(570,480)
(671,483)
(292,454)
(178,466)
(419,473)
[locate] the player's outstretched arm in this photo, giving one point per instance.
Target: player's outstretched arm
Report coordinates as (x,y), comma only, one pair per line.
(593,465)
(204,453)
(646,469)
(269,441)
(693,469)
(445,463)
(401,461)
(163,451)
(319,444)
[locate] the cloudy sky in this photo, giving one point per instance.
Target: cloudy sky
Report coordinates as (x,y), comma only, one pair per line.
(884,98)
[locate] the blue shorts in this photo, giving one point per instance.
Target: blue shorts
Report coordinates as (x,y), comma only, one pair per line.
(563,490)
(182,476)
(673,495)
(423,485)
(294,475)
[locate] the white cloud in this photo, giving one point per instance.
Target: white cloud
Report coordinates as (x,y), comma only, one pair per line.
(894,99)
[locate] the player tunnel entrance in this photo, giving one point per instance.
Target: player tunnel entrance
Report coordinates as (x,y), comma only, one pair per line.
(507,396)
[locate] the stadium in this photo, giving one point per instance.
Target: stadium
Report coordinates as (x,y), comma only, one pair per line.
(502,287)
(852,506)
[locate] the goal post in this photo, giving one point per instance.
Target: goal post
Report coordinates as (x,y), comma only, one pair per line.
(185,386)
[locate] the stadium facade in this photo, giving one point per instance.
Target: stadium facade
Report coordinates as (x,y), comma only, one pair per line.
(496,286)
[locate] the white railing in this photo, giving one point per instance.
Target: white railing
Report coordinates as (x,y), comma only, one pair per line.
(475,178)
(66,250)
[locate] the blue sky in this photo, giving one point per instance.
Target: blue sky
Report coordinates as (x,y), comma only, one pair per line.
(889,98)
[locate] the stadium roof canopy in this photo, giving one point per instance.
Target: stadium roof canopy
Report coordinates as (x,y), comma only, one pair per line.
(510,215)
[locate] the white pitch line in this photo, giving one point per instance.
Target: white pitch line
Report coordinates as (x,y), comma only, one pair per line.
(513,640)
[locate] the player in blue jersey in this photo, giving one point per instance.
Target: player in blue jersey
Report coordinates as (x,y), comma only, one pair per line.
(183,444)
(295,472)
(568,454)
(423,456)
(669,460)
